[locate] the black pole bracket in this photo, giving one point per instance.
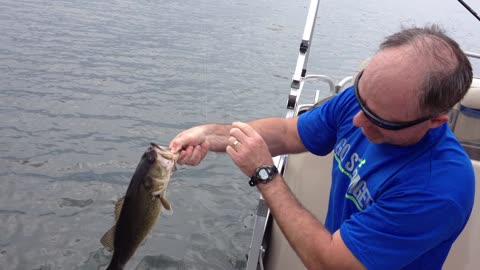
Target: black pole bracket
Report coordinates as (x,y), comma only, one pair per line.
(304,46)
(292,99)
(295,84)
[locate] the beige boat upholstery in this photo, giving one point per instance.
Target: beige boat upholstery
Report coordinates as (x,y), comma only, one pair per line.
(309,177)
(464,123)
(465,253)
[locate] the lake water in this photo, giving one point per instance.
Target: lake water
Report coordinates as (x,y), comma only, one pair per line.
(85,86)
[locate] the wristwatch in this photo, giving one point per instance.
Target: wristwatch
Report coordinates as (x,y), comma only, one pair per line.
(263,174)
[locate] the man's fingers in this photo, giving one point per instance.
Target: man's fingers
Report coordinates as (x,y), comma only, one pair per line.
(233,142)
(232,153)
(193,155)
(185,155)
(238,135)
(178,143)
(196,155)
(175,146)
(204,148)
(245,128)
(185,139)
(229,150)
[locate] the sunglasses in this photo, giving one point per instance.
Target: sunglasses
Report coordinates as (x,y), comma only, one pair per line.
(379,121)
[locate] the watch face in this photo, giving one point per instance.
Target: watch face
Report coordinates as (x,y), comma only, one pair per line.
(263,174)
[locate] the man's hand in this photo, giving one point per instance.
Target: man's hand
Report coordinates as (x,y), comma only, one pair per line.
(191,144)
(247,148)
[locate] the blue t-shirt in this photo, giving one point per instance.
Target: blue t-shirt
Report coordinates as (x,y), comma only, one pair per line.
(397,207)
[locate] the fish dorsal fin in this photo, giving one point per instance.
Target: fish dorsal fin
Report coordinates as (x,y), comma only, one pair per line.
(118,208)
(166,205)
(109,236)
(107,239)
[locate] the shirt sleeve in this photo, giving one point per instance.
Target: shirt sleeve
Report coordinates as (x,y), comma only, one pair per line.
(319,127)
(399,227)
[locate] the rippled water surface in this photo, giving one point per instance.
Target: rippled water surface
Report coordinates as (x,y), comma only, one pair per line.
(85,86)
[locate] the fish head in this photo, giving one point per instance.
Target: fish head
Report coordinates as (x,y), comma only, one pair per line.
(164,163)
(166,153)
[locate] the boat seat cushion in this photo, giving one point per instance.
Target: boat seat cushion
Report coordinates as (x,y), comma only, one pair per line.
(472,98)
(466,117)
(465,250)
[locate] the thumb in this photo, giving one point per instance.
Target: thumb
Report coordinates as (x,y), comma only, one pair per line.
(176,145)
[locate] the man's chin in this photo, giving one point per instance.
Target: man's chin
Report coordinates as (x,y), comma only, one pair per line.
(373,139)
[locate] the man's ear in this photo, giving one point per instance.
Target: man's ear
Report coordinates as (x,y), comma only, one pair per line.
(438,120)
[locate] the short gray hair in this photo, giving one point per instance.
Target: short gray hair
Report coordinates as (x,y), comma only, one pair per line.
(450,72)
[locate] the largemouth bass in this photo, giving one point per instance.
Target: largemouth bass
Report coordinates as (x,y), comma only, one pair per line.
(138,211)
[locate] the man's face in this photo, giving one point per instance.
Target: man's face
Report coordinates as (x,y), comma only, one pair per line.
(388,94)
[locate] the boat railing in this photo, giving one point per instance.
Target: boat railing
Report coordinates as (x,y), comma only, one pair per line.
(257,245)
(302,59)
(473,55)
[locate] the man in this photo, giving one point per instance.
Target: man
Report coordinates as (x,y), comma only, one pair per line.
(402,186)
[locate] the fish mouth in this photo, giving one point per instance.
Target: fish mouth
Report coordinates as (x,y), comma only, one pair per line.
(166,152)
(170,156)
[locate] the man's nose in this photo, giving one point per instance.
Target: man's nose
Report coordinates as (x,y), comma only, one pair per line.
(360,120)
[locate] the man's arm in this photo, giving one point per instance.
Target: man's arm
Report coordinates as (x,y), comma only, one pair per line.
(316,247)
(280,134)
(313,243)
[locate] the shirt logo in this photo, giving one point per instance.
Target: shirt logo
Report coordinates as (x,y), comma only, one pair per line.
(357,191)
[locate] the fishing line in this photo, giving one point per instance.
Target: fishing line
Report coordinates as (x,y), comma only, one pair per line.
(469,9)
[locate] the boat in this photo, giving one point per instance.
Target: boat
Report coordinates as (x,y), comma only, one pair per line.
(270,250)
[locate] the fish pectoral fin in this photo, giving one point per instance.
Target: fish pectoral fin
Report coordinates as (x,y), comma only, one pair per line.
(107,239)
(166,205)
(118,208)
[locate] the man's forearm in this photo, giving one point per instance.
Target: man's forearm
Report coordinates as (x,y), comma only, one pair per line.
(313,243)
(217,136)
(304,232)
(280,134)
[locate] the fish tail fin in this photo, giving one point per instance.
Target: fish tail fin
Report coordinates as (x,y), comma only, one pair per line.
(108,238)
(113,266)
